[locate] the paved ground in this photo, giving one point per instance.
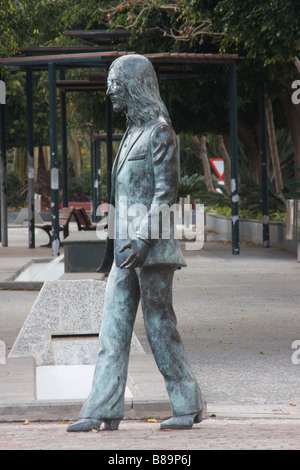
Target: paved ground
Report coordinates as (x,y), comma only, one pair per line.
(238,317)
(213,434)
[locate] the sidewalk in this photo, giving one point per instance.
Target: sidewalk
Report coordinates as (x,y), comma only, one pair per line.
(238,317)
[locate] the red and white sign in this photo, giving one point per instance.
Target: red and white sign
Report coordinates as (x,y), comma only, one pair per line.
(218,166)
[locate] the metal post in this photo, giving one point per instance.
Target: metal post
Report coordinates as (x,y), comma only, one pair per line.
(64,151)
(234,161)
(264,166)
(109,144)
(54,160)
(92,172)
(30,158)
(99,173)
(4,233)
(94,180)
(97,177)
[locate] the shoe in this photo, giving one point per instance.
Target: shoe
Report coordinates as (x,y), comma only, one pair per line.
(111,424)
(89,424)
(182,422)
(84,425)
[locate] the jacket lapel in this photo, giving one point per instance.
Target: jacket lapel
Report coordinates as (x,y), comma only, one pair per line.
(115,165)
(120,164)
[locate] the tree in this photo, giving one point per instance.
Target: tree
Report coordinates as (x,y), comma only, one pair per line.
(42,185)
(26,23)
(227,163)
(183,21)
(273,146)
(267,32)
(8,43)
(201,145)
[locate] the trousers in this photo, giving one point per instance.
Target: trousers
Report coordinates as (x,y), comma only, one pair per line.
(152,285)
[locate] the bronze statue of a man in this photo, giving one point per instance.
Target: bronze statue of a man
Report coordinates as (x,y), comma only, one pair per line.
(141,268)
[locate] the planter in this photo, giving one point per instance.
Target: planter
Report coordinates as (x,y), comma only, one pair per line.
(83,251)
(250,230)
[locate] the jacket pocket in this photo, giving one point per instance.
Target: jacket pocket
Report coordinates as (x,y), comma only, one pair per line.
(138,156)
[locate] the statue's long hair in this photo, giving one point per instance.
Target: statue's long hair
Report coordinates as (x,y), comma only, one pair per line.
(138,76)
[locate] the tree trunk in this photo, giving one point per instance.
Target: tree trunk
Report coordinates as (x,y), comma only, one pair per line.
(75,152)
(201,144)
(296,62)
(42,184)
(227,163)
(249,136)
(20,164)
(273,147)
(292,113)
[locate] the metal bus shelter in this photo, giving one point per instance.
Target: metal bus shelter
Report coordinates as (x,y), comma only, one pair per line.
(60,59)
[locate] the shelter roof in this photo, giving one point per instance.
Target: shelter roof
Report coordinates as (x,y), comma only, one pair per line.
(47,50)
(99,36)
(81,59)
(104,59)
(100,54)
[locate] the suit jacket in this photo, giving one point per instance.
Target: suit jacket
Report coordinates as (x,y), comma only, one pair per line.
(144,180)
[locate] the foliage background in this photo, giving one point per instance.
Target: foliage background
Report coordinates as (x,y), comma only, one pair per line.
(265,32)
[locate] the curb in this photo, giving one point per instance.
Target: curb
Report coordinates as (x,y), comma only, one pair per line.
(69,410)
(14,285)
(140,409)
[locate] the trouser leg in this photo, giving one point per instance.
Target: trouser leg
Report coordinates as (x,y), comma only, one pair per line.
(106,399)
(164,339)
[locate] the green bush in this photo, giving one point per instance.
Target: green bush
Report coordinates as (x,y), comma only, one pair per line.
(246,214)
(15,191)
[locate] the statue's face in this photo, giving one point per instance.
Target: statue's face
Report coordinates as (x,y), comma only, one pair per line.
(117,92)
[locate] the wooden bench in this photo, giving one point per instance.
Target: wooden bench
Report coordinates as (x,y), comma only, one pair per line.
(82,219)
(65,215)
